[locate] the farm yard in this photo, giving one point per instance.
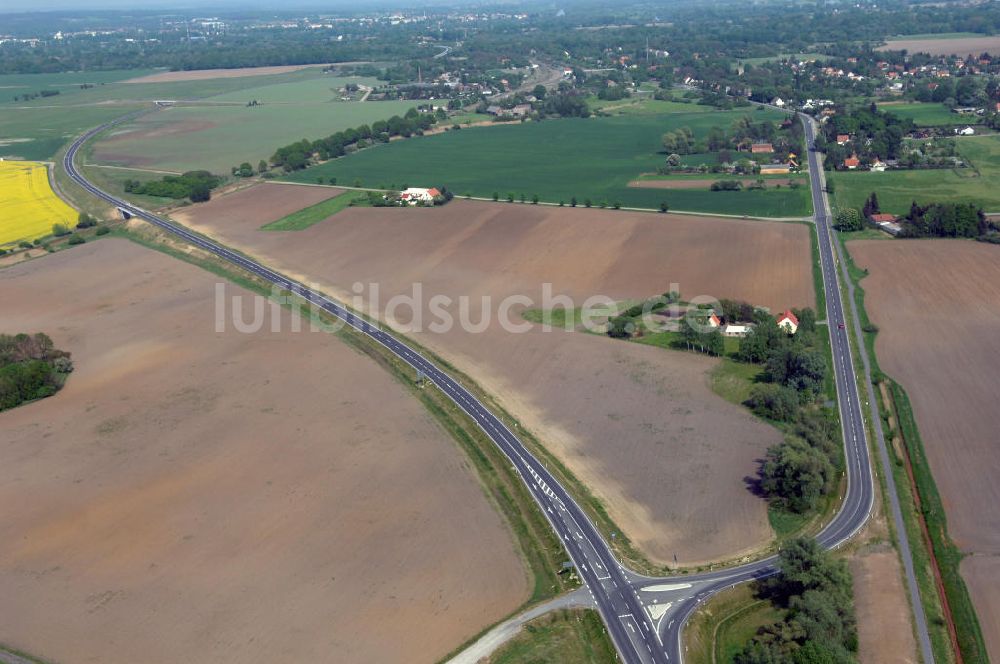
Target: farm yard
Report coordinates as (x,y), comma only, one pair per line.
(596,404)
(28,206)
(166,517)
(558,160)
(898,189)
(960,44)
(936,304)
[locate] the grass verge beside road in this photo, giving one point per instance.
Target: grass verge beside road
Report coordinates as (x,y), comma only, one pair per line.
(724,624)
(562,637)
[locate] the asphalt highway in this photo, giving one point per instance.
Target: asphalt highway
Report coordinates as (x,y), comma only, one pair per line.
(644,616)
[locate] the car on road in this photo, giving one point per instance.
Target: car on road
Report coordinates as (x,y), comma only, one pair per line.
(840,325)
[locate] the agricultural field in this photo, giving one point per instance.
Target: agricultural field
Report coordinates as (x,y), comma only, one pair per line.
(225,132)
(28,206)
(38,133)
(164,516)
(207,74)
(37,129)
(704,183)
(642,428)
(927,114)
(593,158)
(897,189)
(937,306)
(68,84)
(960,44)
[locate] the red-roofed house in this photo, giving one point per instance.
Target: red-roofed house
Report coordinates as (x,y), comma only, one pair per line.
(882,217)
(788,322)
(842,139)
(713,321)
(852,162)
(761,148)
(413,195)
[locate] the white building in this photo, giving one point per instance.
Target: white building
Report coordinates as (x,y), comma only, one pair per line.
(414,195)
(735,330)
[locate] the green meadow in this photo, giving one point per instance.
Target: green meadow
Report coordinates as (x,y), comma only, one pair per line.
(929,114)
(593,158)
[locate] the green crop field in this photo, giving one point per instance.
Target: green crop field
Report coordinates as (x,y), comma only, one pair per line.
(219,137)
(38,133)
(897,189)
(36,129)
(68,84)
(316,88)
(929,114)
(591,158)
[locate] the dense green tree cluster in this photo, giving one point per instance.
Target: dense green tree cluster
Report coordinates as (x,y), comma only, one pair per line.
(874,135)
(815,590)
(195,185)
(848,219)
(800,470)
(300,154)
(945,220)
(30,368)
(565,104)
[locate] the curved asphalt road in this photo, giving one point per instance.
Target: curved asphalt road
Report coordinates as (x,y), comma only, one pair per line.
(644,616)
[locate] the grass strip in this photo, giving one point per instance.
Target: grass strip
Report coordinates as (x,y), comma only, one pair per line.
(314,214)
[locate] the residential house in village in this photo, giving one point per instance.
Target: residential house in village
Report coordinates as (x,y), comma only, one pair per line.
(788,322)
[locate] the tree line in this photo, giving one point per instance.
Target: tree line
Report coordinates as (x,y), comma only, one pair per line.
(302,154)
(194,185)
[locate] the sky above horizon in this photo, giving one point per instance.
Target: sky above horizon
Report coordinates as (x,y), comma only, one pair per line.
(18,6)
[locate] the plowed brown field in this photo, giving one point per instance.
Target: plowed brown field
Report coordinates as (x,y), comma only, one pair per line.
(639,425)
(937,306)
(194,496)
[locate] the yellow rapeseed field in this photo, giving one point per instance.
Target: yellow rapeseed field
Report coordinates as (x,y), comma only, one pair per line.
(28,206)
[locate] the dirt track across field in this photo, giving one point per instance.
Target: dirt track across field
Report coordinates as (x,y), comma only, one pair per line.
(639,425)
(937,306)
(206,74)
(961,46)
(196,496)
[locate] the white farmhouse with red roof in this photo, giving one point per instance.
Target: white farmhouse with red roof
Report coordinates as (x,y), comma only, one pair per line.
(414,195)
(788,322)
